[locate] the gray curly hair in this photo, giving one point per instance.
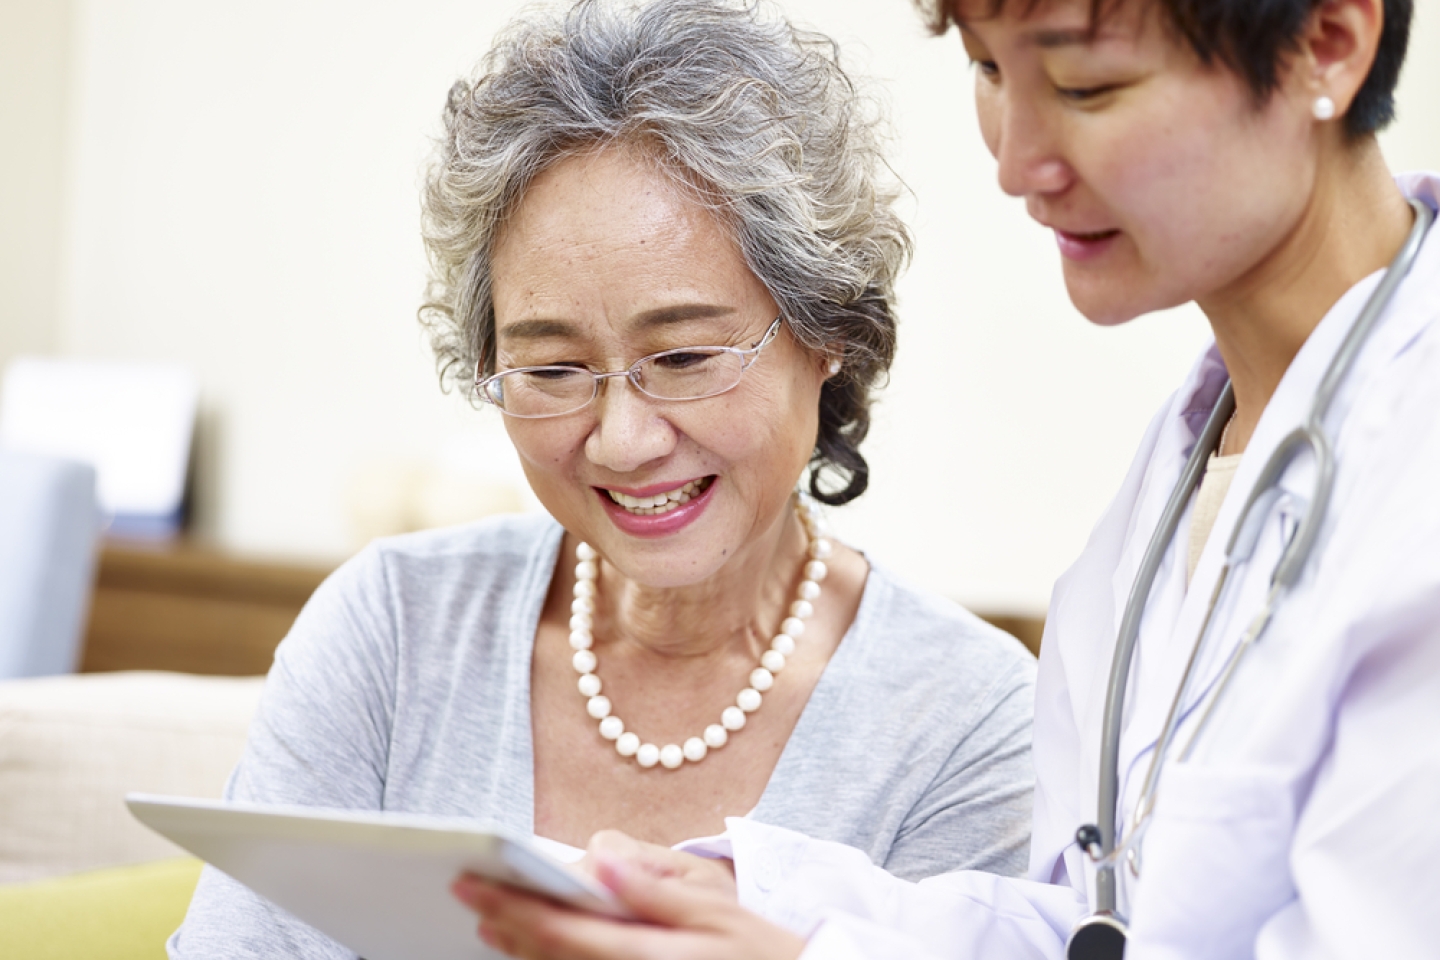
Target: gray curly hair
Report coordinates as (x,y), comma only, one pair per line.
(752,115)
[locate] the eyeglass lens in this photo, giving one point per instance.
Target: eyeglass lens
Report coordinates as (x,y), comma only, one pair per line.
(686,374)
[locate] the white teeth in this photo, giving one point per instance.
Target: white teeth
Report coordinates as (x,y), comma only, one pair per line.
(660,502)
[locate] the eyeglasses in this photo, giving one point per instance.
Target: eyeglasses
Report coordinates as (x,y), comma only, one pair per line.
(686,373)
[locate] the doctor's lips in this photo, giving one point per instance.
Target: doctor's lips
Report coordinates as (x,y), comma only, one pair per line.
(655,502)
(1082,245)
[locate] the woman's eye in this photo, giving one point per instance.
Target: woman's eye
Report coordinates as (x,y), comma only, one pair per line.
(1085,94)
(553,373)
(682,361)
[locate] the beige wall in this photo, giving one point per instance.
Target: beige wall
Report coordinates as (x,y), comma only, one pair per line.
(35,71)
(241,196)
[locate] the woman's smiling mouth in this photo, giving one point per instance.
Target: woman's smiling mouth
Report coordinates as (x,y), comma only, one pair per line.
(663,502)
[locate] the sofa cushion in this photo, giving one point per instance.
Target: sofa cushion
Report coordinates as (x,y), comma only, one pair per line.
(71,747)
(124,913)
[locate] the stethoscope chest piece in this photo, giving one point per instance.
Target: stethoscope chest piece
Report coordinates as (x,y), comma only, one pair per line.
(1100,936)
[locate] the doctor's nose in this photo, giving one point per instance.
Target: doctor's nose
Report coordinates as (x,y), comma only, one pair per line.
(1026,152)
(630,428)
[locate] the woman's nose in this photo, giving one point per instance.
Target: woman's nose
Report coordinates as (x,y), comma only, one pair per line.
(1027,152)
(629,429)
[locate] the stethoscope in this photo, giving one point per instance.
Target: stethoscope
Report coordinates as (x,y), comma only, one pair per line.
(1101,936)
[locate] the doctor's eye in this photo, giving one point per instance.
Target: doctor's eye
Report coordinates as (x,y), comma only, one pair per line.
(988,69)
(1086,94)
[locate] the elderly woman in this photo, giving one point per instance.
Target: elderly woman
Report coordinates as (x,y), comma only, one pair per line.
(663,251)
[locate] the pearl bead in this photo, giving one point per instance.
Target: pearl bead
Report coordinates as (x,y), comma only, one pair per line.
(761,679)
(773,660)
(716,736)
(582,605)
(611,727)
(748,700)
(589,685)
(648,755)
(821,549)
(671,756)
(584,588)
(598,707)
(783,644)
(1323,108)
(811,509)
(802,609)
(793,626)
(816,570)
(583,661)
(627,744)
(809,590)
(581,621)
(585,552)
(695,749)
(581,639)
(586,570)
(733,718)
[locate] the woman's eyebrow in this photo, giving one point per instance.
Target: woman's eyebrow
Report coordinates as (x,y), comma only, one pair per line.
(546,328)
(663,316)
(535,330)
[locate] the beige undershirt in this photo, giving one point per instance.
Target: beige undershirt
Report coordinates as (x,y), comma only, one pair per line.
(1219,471)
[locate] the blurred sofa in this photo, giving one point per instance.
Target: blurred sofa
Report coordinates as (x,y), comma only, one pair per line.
(78,876)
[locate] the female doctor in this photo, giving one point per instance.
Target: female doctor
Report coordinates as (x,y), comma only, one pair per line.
(1261,774)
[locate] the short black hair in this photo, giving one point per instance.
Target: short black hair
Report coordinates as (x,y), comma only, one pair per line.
(1252,38)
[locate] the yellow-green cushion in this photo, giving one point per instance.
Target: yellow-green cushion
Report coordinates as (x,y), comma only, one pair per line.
(124,913)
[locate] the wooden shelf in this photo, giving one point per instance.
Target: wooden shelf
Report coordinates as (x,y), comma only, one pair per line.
(192,609)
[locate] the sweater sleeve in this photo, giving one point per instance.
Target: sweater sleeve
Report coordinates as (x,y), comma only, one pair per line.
(319,738)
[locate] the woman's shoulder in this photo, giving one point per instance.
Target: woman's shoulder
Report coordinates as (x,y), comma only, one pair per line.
(402,585)
(906,636)
(495,551)
(504,537)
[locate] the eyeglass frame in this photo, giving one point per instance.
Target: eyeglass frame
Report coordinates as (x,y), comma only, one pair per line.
(631,373)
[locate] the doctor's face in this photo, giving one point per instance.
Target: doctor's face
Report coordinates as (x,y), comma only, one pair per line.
(1162,178)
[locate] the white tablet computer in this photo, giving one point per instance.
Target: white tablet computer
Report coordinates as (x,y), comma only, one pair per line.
(379,883)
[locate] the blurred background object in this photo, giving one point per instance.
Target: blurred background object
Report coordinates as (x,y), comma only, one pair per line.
(132,422)
(49,525)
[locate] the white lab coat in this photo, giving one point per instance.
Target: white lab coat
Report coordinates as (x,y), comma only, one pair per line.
(1307,824)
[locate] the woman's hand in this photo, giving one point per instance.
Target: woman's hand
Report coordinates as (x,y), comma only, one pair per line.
(687,902)
(613,846)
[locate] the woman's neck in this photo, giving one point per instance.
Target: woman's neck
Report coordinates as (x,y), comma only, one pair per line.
(1354,223)
(732,612)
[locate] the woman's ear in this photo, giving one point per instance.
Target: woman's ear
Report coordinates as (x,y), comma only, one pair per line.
(1336,53)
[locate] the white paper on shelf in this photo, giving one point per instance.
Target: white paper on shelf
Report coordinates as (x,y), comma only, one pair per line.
(132,421)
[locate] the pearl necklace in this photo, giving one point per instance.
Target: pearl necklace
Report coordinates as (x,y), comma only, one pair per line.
(762,678)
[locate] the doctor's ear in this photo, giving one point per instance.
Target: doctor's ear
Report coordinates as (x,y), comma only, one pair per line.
(1336,54)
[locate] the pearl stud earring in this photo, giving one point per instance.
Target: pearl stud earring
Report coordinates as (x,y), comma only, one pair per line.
(834,367)
(1323,108)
